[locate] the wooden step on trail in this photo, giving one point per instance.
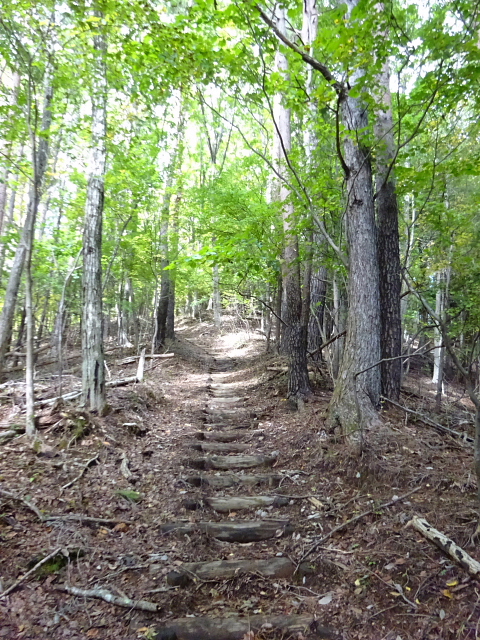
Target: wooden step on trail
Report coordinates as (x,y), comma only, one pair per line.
(226,569)
(237,503)
(225,400)
(243,532)
(236,628)
(224,447)
(232,462)
(227,435)
(234,480)
(246,424)
(225,393)
(224,413)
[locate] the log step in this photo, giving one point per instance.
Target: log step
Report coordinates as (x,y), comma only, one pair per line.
(203,628)
(232,462)
(228,425)
(237,503)
(225,393)
(223,447)
(226,436)
(224,400)
(226,569)
(242,532)
(232,480)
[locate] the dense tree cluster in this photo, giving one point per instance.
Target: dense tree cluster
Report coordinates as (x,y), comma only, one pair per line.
(313,165)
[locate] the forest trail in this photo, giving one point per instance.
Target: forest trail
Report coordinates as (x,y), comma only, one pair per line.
(202,507)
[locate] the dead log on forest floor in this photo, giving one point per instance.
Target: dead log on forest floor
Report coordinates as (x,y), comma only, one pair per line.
(232,480)
(233,462)
(242,532)
(447,545)
(227,569)
(203,628)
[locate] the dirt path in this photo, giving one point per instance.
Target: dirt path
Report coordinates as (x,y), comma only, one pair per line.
(202,498)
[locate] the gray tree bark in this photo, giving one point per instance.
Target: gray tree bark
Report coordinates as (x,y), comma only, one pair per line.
(390,279)
(167,288)
(93,366)
(295,316)
(356,395)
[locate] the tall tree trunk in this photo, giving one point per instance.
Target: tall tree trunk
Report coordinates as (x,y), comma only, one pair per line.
(7,151)
(317,303)
(41,159)
(8,219)
(295,317)
(441,306)
(93,366)
(170,332)
(356,395)
(164,240)
(388,243)
(339,324)
(216,298)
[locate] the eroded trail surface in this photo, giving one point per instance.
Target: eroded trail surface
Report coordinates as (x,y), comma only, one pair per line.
(203,508)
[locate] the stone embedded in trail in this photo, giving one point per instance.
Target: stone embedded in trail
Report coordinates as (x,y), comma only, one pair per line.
(203,628)
(233,462)
(224,447)
(242,532)
(232,480)
(225,569)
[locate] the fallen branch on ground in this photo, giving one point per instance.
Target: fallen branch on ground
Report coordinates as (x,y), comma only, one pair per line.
(78,517)
(6,436)
(103,594)
(75,517)
(18,582)
(121,382)
(89,462)
(132,359)
(29,505)
(447,545)
(431,423)
(355,519)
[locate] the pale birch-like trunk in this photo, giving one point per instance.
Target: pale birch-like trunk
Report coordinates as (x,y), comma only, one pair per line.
(441,307)
(295,317)
(93,366)
(7,152)
(40,158)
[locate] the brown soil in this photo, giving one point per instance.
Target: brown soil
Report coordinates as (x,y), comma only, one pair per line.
(376,578)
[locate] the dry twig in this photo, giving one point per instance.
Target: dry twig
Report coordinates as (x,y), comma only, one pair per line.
(355,519)
(103,594)
(89,462)
(29,573)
